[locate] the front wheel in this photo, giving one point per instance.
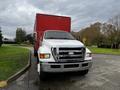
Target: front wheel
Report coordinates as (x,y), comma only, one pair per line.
(42,76)
(84,72)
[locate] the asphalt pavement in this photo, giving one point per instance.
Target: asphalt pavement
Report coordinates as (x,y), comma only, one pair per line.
(104,75)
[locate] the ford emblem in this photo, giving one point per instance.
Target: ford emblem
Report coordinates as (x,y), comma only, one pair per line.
(71,53)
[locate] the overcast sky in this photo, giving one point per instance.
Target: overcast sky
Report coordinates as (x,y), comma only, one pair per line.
(21,13)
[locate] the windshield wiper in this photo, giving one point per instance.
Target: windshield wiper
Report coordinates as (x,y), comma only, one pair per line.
(59,38)
(68,38)
(50,37)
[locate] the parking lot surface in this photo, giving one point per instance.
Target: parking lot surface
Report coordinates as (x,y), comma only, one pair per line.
(104,75)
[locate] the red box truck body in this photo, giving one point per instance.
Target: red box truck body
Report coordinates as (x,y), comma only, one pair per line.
(45,22)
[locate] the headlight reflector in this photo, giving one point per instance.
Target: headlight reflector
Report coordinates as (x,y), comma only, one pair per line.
(44,55)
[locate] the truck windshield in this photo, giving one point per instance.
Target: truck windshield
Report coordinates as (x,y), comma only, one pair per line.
(58,35)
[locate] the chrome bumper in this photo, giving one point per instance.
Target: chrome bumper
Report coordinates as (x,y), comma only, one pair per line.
(65,67)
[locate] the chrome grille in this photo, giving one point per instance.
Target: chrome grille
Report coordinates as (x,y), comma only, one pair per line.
(69,54)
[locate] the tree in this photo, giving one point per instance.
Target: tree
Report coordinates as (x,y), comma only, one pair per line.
(30,38)
(105,35)
(76,35)
(114,33)
(20,35)
(0,37)
(91,34)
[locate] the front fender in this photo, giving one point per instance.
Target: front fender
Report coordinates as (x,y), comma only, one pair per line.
(86,57)
(45,49)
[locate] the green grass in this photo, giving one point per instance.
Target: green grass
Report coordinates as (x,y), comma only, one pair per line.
(104,51)
(12,59)
(24,45)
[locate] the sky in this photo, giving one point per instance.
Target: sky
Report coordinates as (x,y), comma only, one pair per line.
(21,13)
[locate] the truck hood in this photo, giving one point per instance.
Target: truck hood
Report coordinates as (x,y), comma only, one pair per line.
(63,43)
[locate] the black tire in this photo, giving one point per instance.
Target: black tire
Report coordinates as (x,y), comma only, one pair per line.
(42,76)
(37,59)
(84,72)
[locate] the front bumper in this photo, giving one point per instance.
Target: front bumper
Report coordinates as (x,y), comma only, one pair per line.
(65,67)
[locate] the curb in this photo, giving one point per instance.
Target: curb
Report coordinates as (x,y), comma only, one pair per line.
(22,71)
(16,75)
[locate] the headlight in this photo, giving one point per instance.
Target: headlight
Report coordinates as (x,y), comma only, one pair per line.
(88,54)
(44,55)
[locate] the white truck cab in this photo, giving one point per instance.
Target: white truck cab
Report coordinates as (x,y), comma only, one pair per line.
(61,52)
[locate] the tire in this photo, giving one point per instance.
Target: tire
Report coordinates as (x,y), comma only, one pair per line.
(84,72)
(42,76)
(37,59)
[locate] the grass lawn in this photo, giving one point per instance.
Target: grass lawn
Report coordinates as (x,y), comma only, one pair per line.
(104,50)
(12,59)
(24,45)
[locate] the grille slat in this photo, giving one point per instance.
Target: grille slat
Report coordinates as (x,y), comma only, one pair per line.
(70,57)
(66,54)
(74,55)
(63,53)
(70,50)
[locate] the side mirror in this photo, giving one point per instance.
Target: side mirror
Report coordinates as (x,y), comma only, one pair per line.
(35,36)
(41,41)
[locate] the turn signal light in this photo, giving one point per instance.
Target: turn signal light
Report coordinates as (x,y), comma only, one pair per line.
(89,55)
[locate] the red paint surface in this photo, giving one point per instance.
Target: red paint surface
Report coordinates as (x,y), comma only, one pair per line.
(45,22)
